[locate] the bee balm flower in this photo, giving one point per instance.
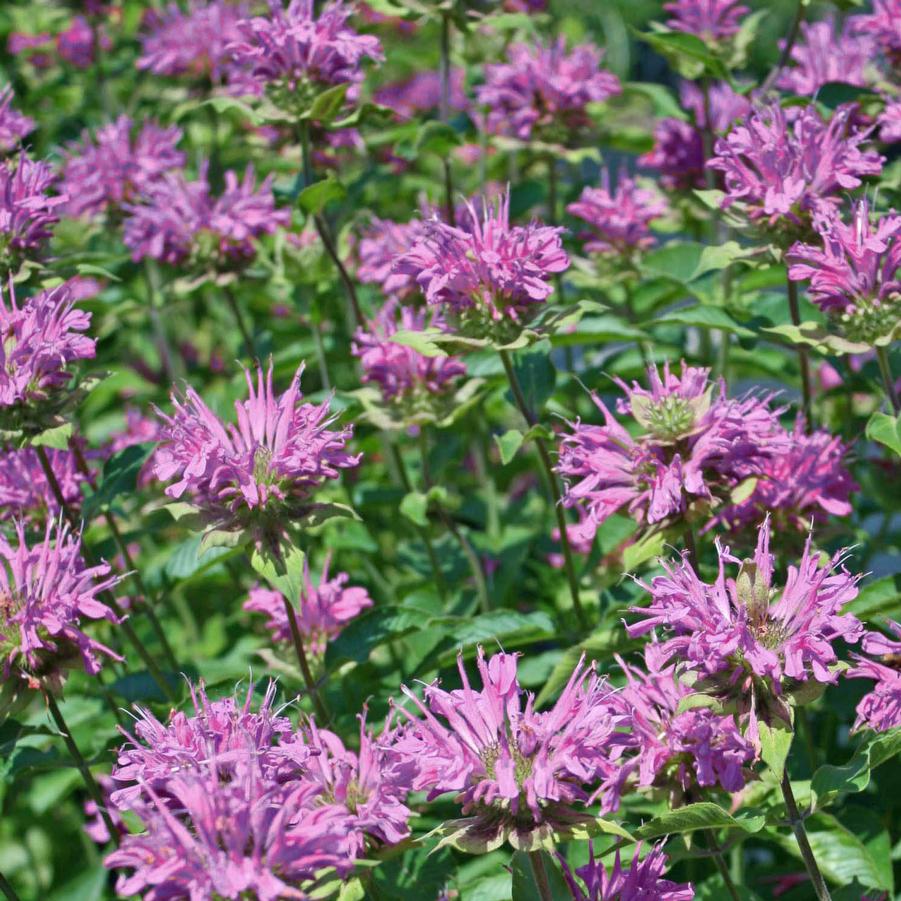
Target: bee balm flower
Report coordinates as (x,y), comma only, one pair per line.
(880,709)
(13,125)
(710,20)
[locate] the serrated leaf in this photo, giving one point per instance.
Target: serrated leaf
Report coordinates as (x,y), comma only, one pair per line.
(508,444)
(830,781)
(775,743)
(815,335)
(703,815)
(879,598)
(56,438)
(284,571)
(436,137)
(886,430)
(315,197)
(328,104)
(704,316)
(415,506)
(650,545)
(699,700)
(358,639)
(188,560)
(691,56)
(119,476)
(421,341)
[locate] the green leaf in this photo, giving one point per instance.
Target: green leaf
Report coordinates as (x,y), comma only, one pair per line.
(886,430)
(315,197)
(650,545)
(743,490)
(716,257)
(879,598)
(834,93)
(690,55)
(665,104)
(91,269)
(524,885)
(119,476)
(775,743)
(537,376)
(703,815)
(678,260)
(415,506)
(56,438)
(284,571)
(508,444)
(829,781)
(358,639)
(704,316)
(421,341)
(328,104)
(436,137)
(815,335)
(188,559)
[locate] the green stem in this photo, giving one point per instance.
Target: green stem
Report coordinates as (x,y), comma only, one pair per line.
(539,874)
(553,488)
(8,890)
(309,681)
(797,825)
(247,338)
(720,862)
(888,381)
(167,357)
(688,537)
(784,57)
(82,764)
(444,115)
(803,358)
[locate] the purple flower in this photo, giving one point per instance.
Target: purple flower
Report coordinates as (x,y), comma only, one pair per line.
(24,492)
(754,639)
(181,219)
(95,826)
(890,123)
(855,274)
(784,172)
(618,219)
(322,610)
(513,767)
(13,125)
(192,43)
(382,242)
(296,55)
(47,593)
(884,25)
(76,44)
(493,272)
(880,709)
(113,169)
(41,339)
(26,209)
(421,92)
(643,880)
(710,20)
(261,473)
(404,375)
(697,444)
(823,55)
(543,88)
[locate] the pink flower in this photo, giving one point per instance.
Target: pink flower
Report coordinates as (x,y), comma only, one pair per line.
(13,125)
(24,492)
(697,445)
(138,429)
(27,211)
(322,610)
(856,273)
(181,219)
(513,767)
(544,88)
(261,473)
(825,54)
(47,593)
(75,45)
(880,709)
(643,880)
(884,25)
(753,638)
(42,338)
(494,271)
(783,172)
(382,242)
(113,168)
(890,122)
(36,48)
(710,20)
(619,219)
(421,92)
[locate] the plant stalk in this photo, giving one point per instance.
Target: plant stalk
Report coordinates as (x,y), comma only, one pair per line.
(888,380)
(241,322)
(539,874)
(720,862)
(797,824)
(306,672)
(444,116)
(8,890)
(803,357)
(784,57)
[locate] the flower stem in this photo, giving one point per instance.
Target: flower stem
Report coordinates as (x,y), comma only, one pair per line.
(539,874)
(720,862)
(322,226)
(7,889)
(167,358)
(887,379)
(688,536)
(803,358)
(797,824)
(241,322)
(309,681)
(82,764)
(107,596)
(789,46)
(553,488)
(444,115)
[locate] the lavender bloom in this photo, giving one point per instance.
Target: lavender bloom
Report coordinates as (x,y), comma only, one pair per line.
(379,246)
(697,445)
(516,769)
(75,45)
(26,209)
(95,826)
(619,219)
(261,473)
(24,492)
(112,169)
(890,123)
(296,55)
(403,374)
(494,272)
(710,20)
(783,172)
(856,274)
(41,339)
(181,219)
(880,710)
(544,88)
(193,43)
(883,24)
(47,592)
(322,611)
(824,54)
(643,880)
(753,639)
(13,125)
(421,92)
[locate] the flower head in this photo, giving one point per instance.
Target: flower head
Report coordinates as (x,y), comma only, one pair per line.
(883,24)
(696,445)
(24,491)
(46,593)
(13,125)
(493,272)
(382,242)
(618,220)
(890,122)
(76,44)
(544,88)
(27,211)
(40,340)
(421,92)
(784,172)
(114,168)
(710,20)
(322,610)
(643,879)
(259,474)
(824,54)
(747,634)
(296,55)
(880,709)
(855,274)
(516,769)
